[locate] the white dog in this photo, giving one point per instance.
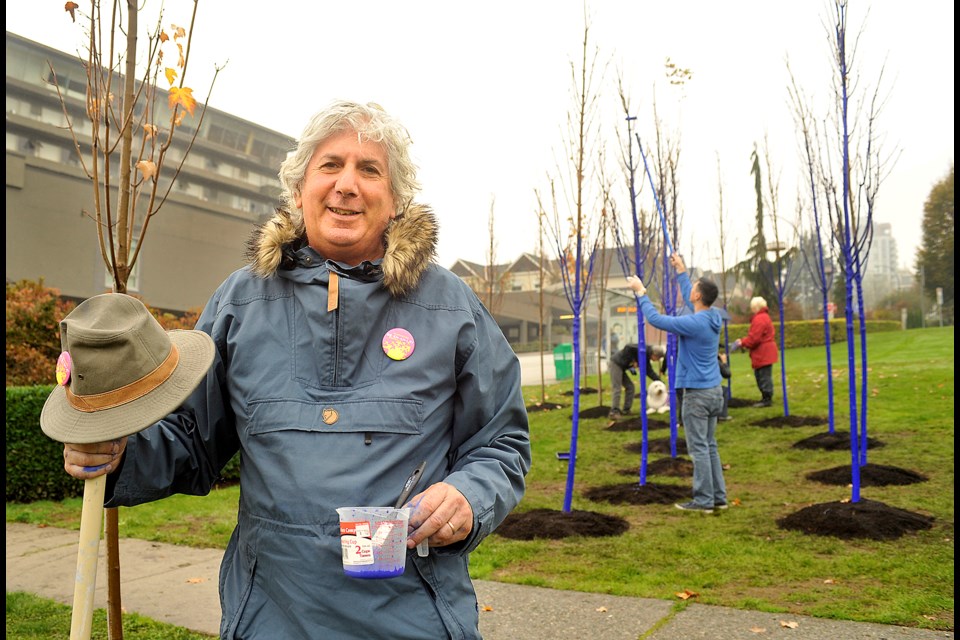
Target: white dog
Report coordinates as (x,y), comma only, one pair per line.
(657,398)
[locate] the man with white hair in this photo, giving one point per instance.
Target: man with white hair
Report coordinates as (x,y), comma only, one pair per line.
(620,364)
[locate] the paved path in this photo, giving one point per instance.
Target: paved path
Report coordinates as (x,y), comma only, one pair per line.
(178,585)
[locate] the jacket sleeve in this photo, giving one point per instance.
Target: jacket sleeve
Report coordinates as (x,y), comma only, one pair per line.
(651,372)
(186,451)
(491,454)
(755,334)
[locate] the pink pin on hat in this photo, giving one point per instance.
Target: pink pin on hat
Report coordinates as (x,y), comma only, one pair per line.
(64,367)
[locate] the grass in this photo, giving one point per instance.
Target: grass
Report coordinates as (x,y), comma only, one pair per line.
(33,618)
(736,558)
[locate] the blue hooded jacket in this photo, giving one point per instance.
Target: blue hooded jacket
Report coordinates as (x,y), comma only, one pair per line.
(698,339)
(322,418)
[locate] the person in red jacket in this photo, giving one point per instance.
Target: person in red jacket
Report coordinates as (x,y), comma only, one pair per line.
(763,350)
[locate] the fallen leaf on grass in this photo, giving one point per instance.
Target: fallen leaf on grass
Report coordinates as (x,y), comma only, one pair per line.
(758,629)
(829,581)
(686,593)
(790,624)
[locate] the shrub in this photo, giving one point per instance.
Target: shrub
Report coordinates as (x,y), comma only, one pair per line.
(34,461)
(33,319)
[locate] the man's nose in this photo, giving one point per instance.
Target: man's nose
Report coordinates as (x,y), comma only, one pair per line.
(347,181)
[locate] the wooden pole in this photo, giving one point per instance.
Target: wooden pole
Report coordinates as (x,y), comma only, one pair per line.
(111,536)
(91,522)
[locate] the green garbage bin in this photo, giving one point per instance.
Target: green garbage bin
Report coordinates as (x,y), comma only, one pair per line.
(563,360)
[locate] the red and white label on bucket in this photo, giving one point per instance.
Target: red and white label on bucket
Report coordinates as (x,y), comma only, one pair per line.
(355,543)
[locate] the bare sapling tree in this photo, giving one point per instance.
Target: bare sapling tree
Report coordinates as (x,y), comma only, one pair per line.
(722,239)
(781,260)
(607,213)
(494,276)
(818,253)
(864,166)
(126,150)
(576,234)
(664,183)
(636,247)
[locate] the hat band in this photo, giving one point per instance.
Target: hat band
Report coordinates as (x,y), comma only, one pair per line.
(127,393)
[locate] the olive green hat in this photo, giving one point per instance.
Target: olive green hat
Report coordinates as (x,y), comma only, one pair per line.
(120,371)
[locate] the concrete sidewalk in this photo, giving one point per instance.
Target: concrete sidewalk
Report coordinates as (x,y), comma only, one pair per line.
(178,585)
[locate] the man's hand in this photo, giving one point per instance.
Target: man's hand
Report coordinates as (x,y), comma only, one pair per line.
(637,285)
(677,263)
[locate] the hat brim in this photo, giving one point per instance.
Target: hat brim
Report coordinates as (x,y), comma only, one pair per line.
(62,422)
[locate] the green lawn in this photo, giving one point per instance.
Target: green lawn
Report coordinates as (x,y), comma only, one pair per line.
(737,558)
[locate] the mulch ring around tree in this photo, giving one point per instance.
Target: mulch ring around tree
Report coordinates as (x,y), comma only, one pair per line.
(657,445)
(554,525)
(544,406)
(848,520)
(583,391)
(789,421)
(595,412)
(833,442)
(635,493)
(871,475)
(635,424)
(676,467)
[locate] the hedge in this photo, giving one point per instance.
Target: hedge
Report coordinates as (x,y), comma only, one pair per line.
(35,461)
(809,333)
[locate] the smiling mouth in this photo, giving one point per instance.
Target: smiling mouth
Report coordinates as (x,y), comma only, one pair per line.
(343,212)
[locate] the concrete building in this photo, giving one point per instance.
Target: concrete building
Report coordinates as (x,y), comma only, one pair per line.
(228,184)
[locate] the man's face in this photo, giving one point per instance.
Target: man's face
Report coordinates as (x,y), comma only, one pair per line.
(346,199)
(695,293)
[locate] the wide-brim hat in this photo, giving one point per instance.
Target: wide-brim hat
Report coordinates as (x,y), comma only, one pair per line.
(120,371)
(657,395)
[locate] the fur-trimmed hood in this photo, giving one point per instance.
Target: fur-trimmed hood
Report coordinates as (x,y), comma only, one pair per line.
(410,241)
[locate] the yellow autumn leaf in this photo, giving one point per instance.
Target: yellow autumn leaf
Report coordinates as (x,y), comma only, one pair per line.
(71,7)
(195,580)
(148,168)
(686,594)
(758,629)
(789,624)
(181,61)
(179,118)
(163,36)
(149,131)
(171,75)
(184,97)
(601,609)
(178,32)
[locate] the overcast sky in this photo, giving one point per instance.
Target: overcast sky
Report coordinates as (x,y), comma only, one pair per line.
(485,89)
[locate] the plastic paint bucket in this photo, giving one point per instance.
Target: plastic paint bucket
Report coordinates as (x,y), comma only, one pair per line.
(373,541)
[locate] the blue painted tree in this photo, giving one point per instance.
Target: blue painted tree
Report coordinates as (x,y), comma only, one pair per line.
(853,211)
(576,237)
(633,258)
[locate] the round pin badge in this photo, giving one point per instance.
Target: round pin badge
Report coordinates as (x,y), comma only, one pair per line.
(64,366)
(398,344)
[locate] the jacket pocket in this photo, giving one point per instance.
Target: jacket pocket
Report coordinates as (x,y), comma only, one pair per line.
(377,415)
